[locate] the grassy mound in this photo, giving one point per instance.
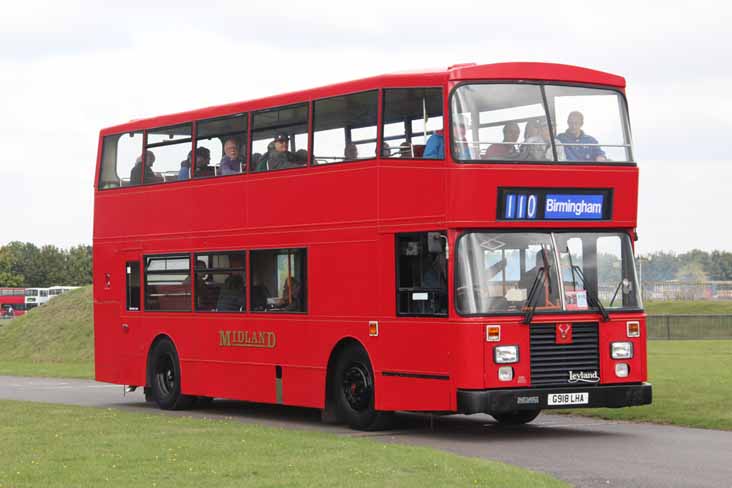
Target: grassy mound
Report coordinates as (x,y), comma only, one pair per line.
(56,339)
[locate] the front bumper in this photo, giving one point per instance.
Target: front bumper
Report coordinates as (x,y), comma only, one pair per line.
(512,400)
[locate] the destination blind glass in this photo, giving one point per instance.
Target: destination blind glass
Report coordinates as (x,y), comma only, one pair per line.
(553,204)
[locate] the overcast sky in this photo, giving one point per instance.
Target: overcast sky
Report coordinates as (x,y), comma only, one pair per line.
(68,69)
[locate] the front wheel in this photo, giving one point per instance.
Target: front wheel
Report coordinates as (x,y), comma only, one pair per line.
(516,418)
(166,386)
(353,384)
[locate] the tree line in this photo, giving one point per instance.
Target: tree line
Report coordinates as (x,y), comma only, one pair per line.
(692,266)
(25,265)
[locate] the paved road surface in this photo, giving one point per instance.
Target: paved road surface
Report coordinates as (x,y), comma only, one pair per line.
(585,452)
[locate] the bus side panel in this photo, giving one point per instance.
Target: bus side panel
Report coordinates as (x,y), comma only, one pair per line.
(411,359)
(107,360)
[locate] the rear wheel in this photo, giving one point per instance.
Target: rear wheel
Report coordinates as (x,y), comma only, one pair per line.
(165,387)
(353,387)
(516,418)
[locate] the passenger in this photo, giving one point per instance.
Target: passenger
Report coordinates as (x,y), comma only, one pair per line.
(507,148)
(292,295)
(231,297)
(435,147)
(531,129)
(301,156)
(278,157)
(405,150)
(350,152)
(203,157)
(460,142)
(574,137)
(232,162)
(149,174)
(538,147)
(255,159)
(385,150)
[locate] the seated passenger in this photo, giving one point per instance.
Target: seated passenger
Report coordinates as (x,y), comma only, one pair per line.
(435,148)
(405,150)
(232,162)
(301,156)
(137,172)
(278,157)
(507,148)
(350,152)
(203,157)
(385,150)
(231,297)
(574,137)
(292,295)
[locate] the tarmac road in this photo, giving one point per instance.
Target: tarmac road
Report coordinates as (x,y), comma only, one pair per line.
(585,452)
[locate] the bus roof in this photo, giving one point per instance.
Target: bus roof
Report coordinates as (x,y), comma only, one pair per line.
(420,78)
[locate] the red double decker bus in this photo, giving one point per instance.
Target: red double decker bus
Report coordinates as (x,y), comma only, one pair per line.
(12,302)
(456,240)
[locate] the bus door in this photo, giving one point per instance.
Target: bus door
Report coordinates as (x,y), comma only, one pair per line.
(128,330)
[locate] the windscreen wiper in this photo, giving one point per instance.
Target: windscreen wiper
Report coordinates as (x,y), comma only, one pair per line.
(591,295)
(538,283)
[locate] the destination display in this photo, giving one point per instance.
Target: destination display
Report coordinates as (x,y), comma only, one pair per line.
(554,204)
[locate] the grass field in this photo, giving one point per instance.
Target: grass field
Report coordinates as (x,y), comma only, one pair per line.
(721,307)
(692,386)
(61,446)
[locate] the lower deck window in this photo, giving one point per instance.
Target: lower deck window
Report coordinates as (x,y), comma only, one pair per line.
(168,283)
(421,274)
(278,280)
(219,282)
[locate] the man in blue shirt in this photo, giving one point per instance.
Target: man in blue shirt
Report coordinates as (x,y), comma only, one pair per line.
(435,147)
(574,137)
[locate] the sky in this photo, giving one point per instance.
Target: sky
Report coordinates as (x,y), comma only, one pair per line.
(68,69)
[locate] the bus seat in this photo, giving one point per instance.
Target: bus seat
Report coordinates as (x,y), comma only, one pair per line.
(418,150)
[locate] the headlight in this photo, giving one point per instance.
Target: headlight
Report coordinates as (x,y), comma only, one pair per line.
(621,350)
(506,354)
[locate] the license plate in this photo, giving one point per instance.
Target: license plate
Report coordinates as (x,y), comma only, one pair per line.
(582,398)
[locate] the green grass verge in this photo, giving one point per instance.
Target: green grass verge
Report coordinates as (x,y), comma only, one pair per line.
(57,445)
(721,307)
(692,386)
(55,340)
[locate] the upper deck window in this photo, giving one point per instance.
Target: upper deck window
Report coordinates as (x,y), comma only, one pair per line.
(413,124)
(170,149)
(225,140)
(344,128)
(280,138)
(513,122)
(120,155)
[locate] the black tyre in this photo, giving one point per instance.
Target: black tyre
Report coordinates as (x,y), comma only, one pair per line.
(516,418)
(165,378)
(353,388)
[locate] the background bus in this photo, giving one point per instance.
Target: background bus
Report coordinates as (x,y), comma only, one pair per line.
(35,297)
(432,241)
(12,302)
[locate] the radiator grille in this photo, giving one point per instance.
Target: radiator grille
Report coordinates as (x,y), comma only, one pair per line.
(552,362)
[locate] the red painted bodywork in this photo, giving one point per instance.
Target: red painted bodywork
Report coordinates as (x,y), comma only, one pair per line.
(346,215)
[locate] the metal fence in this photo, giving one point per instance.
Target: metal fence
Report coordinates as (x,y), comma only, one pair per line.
(689,326)
(684,290)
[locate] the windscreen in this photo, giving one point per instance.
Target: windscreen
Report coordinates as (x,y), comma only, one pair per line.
(516,272)
(519,122)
